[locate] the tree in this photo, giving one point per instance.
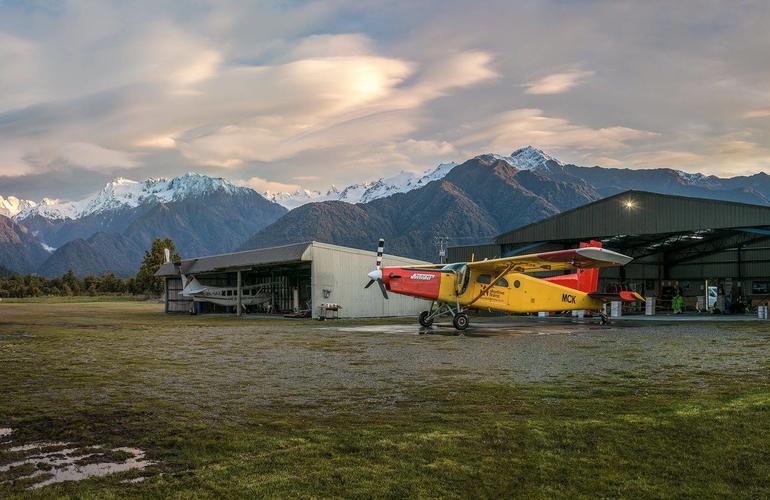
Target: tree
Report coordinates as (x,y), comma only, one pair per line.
(146,281)
(71,283)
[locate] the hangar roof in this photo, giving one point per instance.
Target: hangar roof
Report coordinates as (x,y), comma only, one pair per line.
(286,254)
(640,213)
(249,258)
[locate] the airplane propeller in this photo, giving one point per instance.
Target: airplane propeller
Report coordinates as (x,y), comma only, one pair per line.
(376,275)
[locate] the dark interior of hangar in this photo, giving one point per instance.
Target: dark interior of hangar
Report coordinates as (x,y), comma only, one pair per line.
(287,286)
(690,246)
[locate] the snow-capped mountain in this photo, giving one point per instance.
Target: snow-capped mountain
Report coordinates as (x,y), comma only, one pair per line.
(12,205)
(300,197)
(528,158)
(363,192)
(125,193)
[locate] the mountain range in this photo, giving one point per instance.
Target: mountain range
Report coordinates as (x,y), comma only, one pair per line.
(470,202)
(488,195)
(109,231)
(362,192)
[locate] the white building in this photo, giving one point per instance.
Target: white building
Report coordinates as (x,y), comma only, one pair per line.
(300,277)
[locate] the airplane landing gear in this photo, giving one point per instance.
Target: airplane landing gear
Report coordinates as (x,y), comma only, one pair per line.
(460,321)
(459,318)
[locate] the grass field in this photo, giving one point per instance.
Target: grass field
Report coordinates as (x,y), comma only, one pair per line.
(221,407)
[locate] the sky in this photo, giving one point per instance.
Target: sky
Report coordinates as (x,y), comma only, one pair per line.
(282,94)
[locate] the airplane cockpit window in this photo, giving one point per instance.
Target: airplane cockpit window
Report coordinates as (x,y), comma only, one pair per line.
(485,279)
(463,278)
(456,267)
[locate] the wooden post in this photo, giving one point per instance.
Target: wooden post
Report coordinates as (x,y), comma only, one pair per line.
(238,302)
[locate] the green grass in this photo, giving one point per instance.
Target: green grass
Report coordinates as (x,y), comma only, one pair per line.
(75,299)
(200,397)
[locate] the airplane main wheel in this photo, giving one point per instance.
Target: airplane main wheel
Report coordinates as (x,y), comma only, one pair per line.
(460,321)
(424,320)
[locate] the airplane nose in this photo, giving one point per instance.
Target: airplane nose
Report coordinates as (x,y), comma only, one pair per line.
(375,275)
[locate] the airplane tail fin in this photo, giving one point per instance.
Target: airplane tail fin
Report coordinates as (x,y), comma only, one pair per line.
(584,280)
(588,279)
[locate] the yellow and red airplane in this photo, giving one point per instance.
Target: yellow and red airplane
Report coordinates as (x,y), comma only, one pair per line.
(505,284)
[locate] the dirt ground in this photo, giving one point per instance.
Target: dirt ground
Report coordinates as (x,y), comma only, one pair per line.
(216,406)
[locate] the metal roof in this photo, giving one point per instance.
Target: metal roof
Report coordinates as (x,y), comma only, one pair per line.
(238,260)
(640,213)
(287,254)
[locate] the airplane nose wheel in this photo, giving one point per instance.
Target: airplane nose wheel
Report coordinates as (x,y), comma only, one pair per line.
(460,321)
(425,319)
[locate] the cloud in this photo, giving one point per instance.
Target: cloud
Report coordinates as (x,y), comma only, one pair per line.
(12,164)
(87,155)
(558,83)
(262,185)
(757,113)
(328,45)
(327,102)
(512,128)
(426,148)
(334,91)
(159,141)
(459,70)
(729,155)
(663,158)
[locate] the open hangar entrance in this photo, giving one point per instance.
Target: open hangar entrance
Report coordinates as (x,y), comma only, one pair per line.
(679,244)
(298,278)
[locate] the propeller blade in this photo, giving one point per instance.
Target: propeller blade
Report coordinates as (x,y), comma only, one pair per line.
(371,282)
(382,288)
(380,248)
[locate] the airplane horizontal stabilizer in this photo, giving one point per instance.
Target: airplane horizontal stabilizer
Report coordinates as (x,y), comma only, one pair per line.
(624,296)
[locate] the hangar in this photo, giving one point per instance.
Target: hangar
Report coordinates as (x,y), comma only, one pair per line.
(298,277)
(678,243)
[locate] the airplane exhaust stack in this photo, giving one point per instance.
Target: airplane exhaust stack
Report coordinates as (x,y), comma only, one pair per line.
(376,275)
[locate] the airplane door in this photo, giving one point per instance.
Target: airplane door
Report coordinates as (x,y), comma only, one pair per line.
(463,278)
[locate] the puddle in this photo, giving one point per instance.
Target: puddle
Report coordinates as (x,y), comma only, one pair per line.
(478,329)
(59,462)
(377,329)
(35,446)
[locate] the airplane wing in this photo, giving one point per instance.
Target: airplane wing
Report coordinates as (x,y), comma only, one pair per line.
(559,260)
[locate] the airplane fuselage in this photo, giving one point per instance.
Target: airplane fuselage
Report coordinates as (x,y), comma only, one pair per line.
(515,292)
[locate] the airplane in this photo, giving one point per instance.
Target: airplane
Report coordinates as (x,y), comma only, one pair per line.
(505,284)
(251,295)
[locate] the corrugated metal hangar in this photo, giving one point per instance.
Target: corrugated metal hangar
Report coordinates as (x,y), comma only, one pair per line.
(678,243)
(299,277)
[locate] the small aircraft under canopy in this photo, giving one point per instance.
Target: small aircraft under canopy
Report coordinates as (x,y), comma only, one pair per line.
(505,284)
(251,295)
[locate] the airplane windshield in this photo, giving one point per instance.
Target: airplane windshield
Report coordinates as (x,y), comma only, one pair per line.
(456,267)
(460,269)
